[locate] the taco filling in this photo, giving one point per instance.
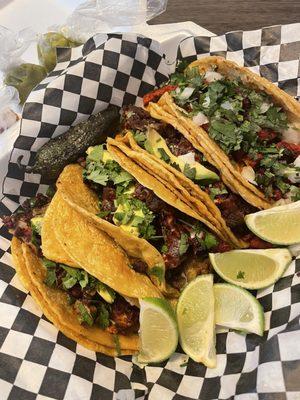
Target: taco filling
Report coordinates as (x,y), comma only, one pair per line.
(134,208)
(95,303)
(166,143)
(249,127)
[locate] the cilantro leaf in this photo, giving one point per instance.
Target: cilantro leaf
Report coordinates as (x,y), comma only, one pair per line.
(103,316)
(183,243)
(189,172)
(164,156)
(210,240)
(140,137)
(84,313)
(240,275)
(50,279)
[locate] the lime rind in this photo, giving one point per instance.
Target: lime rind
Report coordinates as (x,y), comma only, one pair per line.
(256,325)
(252,222)
(281,257)
(205,331)
(164,309)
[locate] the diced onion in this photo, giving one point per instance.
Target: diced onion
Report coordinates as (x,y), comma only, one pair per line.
(200,119)
(264,107)
(212,76)
(249,174)
(297,162)
(186,93)
(188,158)
(227,105)
(291,135)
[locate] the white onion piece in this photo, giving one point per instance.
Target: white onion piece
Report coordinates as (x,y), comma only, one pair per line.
(227,105)
(297,162)
(186,93)
(212,76)
(200,119)
(188,158)
(249,174)
(291,135)
(264,107)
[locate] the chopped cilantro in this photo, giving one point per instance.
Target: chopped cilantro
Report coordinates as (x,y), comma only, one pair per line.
(102,172)
(240,275)
(140,137)
(189,172)
(164,156)
(164,249)
(215,191)
(103,316)
(210,240)
(50,266)
(183,244)
(85,315)
(50,279)
(102,214)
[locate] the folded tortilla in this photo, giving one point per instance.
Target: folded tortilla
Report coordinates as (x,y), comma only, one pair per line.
(86,203)
(93,250)
(192,198)
(54,304)
(167,111)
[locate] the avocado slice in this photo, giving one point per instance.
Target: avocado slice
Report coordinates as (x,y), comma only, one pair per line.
(36,224)
(157,145)
(106,293)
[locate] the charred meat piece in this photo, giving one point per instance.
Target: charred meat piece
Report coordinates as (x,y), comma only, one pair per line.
(176,142)
(233,209)
(19,224)
(139,265)
(255,242)
(137,118)
(108,202)
(172,232)
(146,195)
(124,316)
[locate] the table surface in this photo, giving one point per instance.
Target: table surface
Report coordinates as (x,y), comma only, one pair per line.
(220,16)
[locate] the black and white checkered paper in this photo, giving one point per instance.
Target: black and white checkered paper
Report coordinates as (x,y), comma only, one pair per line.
(37,361)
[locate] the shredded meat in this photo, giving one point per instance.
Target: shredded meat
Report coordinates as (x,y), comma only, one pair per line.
(146,195)
(108,202)
(176,142)
(233,209)
(267,135)
(124,316)
(137,118)
(18,223)
(293,148)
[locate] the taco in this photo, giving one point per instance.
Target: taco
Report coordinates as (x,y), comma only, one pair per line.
(143,214)
(94,301)
(158,147)
(244,126)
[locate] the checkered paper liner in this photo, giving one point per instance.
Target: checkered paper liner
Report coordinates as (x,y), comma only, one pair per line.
(37,361)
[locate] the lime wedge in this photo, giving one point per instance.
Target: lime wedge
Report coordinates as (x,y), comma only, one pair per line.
(196,323)
(158,331)
(251,269)
(238,309)
(278,225)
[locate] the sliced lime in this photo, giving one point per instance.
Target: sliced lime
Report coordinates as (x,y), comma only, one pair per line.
(195,317)
(158,331)
(238,309)
(251,269)
(278,225)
